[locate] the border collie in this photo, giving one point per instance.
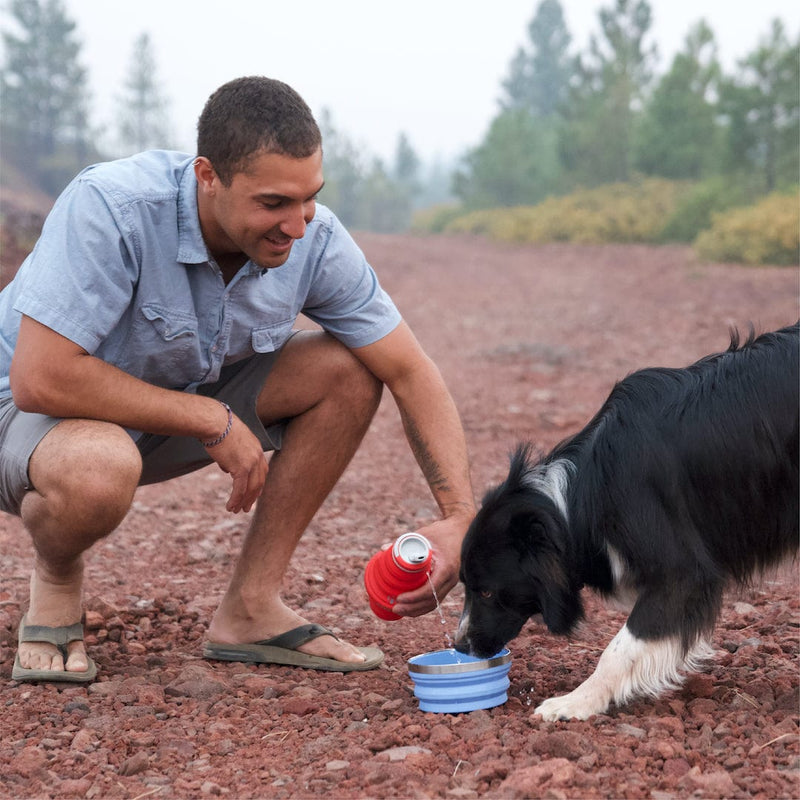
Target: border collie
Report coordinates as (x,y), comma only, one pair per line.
(685,481)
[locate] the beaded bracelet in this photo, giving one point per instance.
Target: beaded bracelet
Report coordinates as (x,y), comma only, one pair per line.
(227,430)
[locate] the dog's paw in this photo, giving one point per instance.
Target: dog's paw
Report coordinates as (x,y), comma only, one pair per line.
(575,705)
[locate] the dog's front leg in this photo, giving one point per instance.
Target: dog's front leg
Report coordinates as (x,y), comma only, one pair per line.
(629,667)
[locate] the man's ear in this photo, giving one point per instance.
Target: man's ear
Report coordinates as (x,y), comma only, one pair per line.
(206,175)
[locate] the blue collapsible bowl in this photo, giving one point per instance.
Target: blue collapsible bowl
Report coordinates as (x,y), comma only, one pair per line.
(449,682)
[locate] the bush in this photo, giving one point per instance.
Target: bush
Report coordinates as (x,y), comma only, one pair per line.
(434,219)
(766,233)
(620,212)
(693,212)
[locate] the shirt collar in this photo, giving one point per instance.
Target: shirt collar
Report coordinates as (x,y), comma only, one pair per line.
(191,246)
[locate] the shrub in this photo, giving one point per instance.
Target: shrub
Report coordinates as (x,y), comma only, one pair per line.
(693,212)
(435,218)
(620,212)
(766,233)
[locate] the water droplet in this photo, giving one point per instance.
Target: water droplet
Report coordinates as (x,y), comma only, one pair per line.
(447,638)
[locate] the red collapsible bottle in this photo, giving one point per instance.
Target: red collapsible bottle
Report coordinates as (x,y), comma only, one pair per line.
(403,567)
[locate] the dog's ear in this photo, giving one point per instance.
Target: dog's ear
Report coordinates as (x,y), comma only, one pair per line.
(561,604)
(544,558)
(521,461)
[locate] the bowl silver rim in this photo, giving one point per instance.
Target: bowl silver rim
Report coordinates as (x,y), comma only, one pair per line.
(450,669)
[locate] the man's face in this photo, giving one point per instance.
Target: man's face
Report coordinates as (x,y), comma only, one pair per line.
(263,210)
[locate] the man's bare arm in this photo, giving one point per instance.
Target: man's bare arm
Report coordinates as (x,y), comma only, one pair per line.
(52,375)
(435,435)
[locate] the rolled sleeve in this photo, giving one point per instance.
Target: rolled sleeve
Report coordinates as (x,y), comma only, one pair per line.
(80,280)
(345,296)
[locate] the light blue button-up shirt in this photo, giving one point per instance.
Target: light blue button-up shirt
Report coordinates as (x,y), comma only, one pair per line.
(122,270)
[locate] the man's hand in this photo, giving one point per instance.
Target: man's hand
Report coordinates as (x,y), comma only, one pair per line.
(241,456)
(445,537)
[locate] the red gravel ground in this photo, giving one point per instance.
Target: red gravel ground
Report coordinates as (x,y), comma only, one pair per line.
(530,339)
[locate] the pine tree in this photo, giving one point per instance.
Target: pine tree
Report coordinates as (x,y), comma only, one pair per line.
(45,129)
(518,161)
(678,136)
(143,118)
(612,82)
(540,74)
(762,107)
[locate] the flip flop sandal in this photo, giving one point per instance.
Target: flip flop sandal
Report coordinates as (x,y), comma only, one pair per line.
(60,638)
(282,650)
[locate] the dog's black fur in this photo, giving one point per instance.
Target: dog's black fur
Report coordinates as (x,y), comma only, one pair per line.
(685,481)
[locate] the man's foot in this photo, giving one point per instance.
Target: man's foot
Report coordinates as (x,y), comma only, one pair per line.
(227,630)
(59,637)
(54,605)
(284,650)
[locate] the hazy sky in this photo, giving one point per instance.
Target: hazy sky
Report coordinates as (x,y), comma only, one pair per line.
(429,68)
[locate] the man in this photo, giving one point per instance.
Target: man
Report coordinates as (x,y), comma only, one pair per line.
(149,333)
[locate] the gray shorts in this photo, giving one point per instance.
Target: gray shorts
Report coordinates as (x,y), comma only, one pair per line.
(163,457)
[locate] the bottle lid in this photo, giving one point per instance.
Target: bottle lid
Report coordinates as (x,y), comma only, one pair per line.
(411,551)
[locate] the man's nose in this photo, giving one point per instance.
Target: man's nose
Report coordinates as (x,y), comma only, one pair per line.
(297,219)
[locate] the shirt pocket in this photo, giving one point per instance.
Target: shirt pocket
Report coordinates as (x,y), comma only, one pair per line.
(167,349)
(271,337)
(170,324)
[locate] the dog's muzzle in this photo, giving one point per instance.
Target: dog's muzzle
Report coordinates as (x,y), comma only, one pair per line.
(462,643)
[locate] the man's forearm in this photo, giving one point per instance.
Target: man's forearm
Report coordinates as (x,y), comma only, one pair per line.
(51,375)
(436,437)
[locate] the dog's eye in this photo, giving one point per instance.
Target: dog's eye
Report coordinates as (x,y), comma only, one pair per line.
(486,594)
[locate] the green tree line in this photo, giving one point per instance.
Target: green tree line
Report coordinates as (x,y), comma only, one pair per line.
(567,120)
(572,120)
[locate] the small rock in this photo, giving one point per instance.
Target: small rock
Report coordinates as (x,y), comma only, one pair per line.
(676,767)
(711,784)
(74,787)
(199,689)
(93,620)
(522,782)
(700,685)
(631,730)
(301,706)
(402,753)
(102,607)
(137,763)
(83,741)
(105,688)
(492,769)
(30,762)
(197,682)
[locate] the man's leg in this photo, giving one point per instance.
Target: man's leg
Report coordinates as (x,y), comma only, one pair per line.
(84,475)
(330,399)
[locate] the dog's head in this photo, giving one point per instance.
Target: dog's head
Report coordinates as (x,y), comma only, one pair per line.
(515,563)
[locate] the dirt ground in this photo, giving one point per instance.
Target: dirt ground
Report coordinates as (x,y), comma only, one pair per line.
(530,340)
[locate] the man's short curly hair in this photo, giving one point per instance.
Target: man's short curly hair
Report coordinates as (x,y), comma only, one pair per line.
(249,116)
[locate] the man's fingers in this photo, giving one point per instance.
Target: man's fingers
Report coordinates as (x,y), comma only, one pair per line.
(237,494)
(247,487)
(255,485)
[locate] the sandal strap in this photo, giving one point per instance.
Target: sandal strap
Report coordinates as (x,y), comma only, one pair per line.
(296,637)
(60,637)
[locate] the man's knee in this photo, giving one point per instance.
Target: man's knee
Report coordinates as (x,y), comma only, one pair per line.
(353,379)
(87,467)
(315,368)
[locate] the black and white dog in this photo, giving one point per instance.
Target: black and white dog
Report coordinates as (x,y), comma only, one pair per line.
(684,482)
